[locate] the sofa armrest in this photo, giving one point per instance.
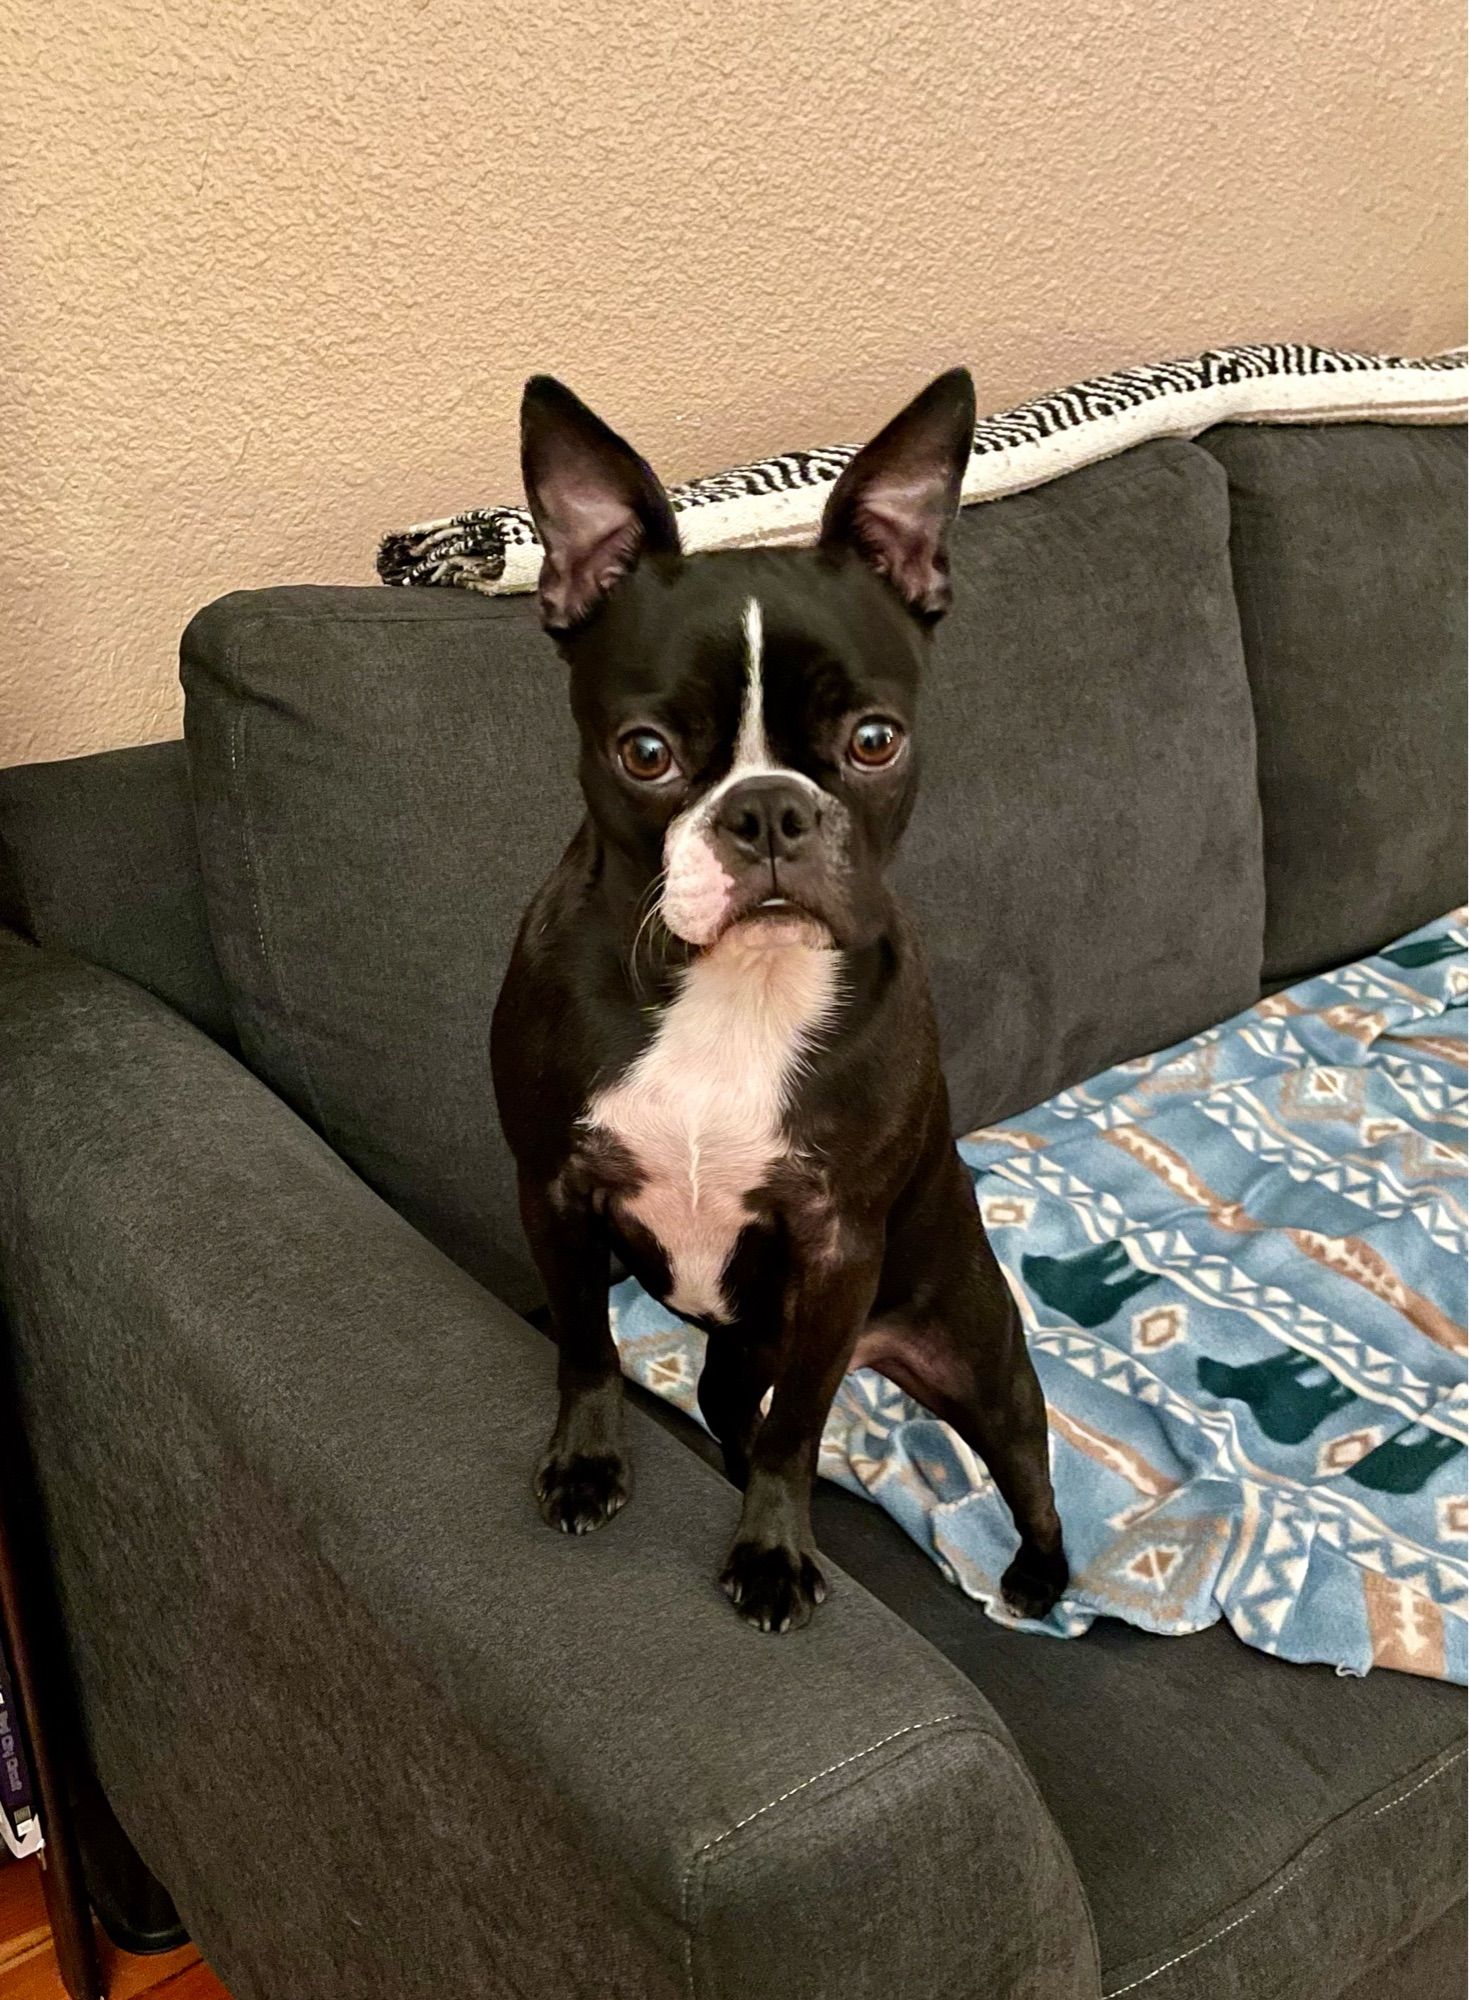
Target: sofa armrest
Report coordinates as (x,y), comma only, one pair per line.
(367,1718)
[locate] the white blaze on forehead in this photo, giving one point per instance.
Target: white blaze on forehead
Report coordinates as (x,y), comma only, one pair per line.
(751,747)
(698,889)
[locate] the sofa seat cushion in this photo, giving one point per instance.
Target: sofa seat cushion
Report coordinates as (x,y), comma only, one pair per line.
(381,779)
(1349,563)
(1242,1827)
(1253,1827)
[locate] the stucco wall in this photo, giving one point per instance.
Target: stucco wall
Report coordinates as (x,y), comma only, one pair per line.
(271,274)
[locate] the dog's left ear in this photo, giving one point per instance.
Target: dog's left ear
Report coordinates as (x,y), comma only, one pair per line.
(894,501)
(597,506)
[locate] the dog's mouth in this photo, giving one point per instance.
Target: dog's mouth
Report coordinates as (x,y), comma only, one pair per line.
(707,894)
(781,919)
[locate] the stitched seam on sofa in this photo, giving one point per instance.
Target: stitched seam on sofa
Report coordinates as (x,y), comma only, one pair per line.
(908,1729)
(247,848)
(1302,1867)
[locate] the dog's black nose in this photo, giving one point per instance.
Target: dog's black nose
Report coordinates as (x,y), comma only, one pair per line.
(767,818)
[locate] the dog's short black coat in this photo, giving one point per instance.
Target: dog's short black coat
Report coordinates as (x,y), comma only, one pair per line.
(749,764)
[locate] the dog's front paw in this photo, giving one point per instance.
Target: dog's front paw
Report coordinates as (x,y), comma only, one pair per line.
(1034,1581)
(578,1491)
(775,1588)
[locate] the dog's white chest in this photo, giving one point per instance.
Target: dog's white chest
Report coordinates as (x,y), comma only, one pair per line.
(702,1111)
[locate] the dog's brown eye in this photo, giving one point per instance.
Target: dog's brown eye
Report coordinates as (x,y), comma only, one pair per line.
(644,754)
(875,742)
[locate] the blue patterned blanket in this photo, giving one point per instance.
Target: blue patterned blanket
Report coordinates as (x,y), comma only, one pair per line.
(1241,1267)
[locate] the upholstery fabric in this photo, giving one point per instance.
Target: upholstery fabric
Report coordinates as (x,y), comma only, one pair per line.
(1348,545)
(1192,1779)
(376,1727)
(1084,858)
(382,778)
(98,855)
(1431,1966)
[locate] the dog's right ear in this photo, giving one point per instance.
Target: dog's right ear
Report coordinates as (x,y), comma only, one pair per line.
(597,507)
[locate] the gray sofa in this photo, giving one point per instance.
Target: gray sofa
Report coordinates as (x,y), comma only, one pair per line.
(1195,728)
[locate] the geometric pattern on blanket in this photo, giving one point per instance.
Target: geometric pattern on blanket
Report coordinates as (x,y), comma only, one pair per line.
(778,501)
(1241,1267)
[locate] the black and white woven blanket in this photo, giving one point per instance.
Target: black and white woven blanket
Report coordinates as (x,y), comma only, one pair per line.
(779,500)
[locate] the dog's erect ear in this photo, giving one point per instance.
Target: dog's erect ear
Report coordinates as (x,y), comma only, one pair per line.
(895,499)
(597,506)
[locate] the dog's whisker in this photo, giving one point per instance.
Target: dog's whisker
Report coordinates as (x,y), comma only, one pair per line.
(652,916)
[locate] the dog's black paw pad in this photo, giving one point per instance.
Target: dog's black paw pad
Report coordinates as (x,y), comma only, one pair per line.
(773,1589)
(1033,1582)
(579,1493)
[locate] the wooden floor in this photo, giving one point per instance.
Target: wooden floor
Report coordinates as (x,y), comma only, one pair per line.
(28,1965)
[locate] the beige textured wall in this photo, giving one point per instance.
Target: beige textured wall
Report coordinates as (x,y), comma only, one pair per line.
(270,274)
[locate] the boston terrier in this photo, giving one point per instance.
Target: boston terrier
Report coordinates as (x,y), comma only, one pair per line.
(715,1052)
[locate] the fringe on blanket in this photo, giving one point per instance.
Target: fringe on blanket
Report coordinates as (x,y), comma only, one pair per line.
(778,501)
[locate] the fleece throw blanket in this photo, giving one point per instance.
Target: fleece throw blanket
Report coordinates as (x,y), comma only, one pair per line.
(1241,1268)
(779,500)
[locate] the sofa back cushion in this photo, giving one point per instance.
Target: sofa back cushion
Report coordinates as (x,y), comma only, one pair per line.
(1348,545)
(1084,861)
(382,778)
(98,857)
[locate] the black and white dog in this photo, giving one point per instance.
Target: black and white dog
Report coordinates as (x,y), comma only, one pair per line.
(715,1050)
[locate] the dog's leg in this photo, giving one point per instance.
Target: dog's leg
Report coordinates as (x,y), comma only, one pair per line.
(965,1358)
(584,1477)
(1001,1412)
(738,1369)
(771,1576)
(1003,1416)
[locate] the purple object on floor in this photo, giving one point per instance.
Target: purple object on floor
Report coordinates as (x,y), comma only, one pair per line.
(20,1826)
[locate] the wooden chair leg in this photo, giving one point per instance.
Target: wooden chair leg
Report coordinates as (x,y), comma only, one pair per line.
(70,1918)
(67,1908)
